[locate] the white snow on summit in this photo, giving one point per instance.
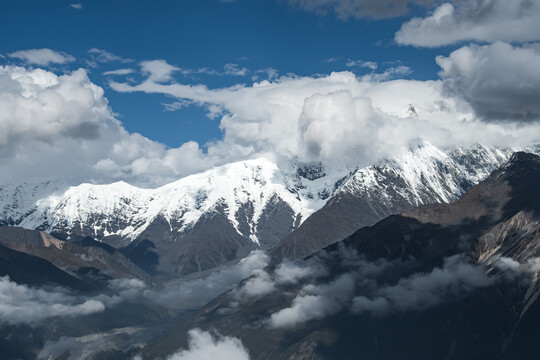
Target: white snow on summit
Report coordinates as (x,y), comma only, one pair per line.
(421,175)
(125,210)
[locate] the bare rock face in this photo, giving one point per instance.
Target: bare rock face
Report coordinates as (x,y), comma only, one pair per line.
(442,281)
(75,257)
(424,175)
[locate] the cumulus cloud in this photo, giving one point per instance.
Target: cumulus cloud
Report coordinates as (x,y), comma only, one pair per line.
(345,9)
(480,20)
(195,293)
(66,106)
(331,124)
(367,286)
(258,285)
(338,117)
(24,304)
(499,81)
(316,301)
(62,126)
(424,290)
(43,57)
(204,346)
(291,272)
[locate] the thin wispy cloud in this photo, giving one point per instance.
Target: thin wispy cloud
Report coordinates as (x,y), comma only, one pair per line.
(100,56)
(332,60)
(358,9)
(360,63)
(42,57)
(230,69)
(119,72)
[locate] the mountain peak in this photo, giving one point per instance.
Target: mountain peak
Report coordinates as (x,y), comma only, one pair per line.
(521,161)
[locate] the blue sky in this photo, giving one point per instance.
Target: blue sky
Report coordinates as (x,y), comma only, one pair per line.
(151,91)
(205,34)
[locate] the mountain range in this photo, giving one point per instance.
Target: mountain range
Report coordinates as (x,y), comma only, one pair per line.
(357,261)
(209,219)
(442,281)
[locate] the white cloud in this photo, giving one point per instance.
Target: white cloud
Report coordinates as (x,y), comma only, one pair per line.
(424,290)
(24,304)
(43,57)
(291,272)
(104,56)
(235,70)
(367,280)
(158,70)
(345,9)
(77,6)
(67,106)
(119,72)
(271,74)
(394,72)
(177,105)
(337,117)
(258,285)
(360,63)
(228,69)
(205,346)
(61,126)
(496,20)
(499,81)
(317,301)
(195,293)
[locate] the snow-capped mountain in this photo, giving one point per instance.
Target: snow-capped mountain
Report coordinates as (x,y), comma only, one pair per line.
(207,219)
(261,202)
(123,210)
(443,281)
(423,175)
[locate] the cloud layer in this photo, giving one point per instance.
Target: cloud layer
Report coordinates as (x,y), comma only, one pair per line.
(339,117)
(62,126)
(29,305)
(196,293)
(424,290)
(480,20)
(369,286)
(24,304)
